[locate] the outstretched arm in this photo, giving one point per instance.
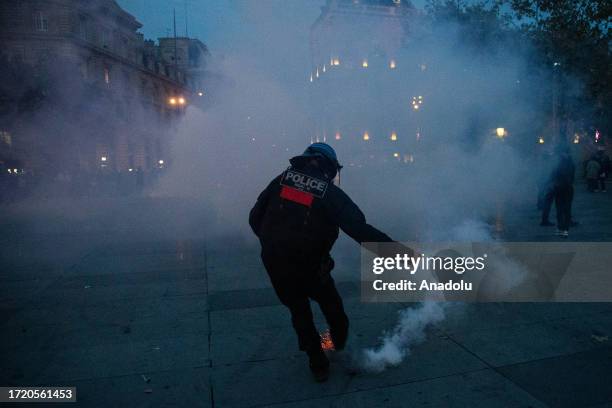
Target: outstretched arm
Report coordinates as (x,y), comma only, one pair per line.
(352,221)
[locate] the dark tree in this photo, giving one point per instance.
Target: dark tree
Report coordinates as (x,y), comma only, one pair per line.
(575,34)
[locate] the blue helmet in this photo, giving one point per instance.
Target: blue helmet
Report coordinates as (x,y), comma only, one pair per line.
(322,150)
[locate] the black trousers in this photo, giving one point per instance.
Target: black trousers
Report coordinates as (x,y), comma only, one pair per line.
(546,203)
(563,204)
(297,281)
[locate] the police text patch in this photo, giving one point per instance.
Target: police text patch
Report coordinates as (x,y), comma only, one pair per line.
(304,183)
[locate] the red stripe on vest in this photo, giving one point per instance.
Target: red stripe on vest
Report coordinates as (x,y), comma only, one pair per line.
(297,196)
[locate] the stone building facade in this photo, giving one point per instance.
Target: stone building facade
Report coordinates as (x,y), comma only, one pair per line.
(363,78)
(121,95)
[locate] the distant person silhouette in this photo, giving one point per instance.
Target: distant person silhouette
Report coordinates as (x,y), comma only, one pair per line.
(562,179)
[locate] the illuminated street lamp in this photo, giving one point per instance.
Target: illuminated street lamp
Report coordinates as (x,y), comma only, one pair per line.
(177,100)
(392,64)
(338,136)
(576,138)
(541,140)
(103,158)
(501,132)
(396,155)
(364,63)
(417,101)
(366,136)
(201,93)
(394,136)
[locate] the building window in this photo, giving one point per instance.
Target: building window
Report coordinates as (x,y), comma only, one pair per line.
(83,27)
(124,46)
(5,137)
(43,56)
(106,75)
(83,70)
(40,21)
(105,37)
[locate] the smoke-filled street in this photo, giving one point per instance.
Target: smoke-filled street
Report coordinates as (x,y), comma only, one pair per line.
(343,203)
(136,320)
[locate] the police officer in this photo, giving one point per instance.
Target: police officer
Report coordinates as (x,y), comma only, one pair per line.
(563,188)
(297,219)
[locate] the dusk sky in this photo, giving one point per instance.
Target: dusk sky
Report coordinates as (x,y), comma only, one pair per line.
(269,36)
(225,24)
(258,33)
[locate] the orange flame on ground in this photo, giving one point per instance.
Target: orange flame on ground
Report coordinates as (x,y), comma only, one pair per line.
(326,341)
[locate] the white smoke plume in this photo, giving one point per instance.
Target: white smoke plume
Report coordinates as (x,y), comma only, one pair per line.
(409,331)
(411,327)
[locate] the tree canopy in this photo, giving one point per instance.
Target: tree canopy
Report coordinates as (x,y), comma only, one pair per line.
(573,34)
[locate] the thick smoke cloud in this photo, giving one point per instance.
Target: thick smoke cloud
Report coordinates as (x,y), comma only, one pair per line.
(461,171)
(223,157)
(460,182)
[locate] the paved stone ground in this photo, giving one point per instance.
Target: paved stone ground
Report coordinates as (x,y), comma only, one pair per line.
(150,321)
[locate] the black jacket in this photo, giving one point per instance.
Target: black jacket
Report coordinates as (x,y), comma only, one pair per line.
(287,226)
(563,174)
